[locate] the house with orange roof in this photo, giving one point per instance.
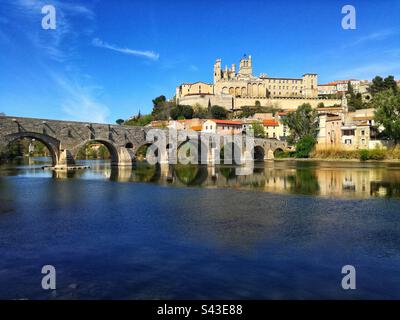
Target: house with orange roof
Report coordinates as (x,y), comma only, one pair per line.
(222,127)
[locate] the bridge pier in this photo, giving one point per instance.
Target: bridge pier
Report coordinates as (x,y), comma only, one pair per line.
(126,157)
(64,160)
(269,155)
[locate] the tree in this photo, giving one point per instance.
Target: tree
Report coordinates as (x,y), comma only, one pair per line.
(200,112)
(387,114)
(247,111)
(379,85)
(303,122)
(258,130)
(119,121)
(218,112)
(181,111)
(162,108)
(304,146)
(390,83)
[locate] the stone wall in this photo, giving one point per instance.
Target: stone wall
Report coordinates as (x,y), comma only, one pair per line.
(230,103)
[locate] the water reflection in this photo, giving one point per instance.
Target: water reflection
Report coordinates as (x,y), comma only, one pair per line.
(332,179)
(162,242)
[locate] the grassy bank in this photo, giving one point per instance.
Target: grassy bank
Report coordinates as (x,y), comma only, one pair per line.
(363,154)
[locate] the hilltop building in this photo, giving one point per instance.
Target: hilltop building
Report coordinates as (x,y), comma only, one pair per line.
(233,89)
(341,129)
(342,86)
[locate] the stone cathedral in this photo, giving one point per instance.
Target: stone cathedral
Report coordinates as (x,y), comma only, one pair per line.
(234,88)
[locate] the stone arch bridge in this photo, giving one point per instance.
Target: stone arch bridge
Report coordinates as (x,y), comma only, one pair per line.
(65,138)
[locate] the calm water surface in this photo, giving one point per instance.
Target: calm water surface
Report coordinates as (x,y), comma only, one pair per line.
(194,232)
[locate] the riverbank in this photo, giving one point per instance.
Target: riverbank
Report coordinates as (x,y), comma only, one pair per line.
(338,160)
(361,155)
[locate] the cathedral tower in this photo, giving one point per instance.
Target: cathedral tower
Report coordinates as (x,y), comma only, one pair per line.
(217,70)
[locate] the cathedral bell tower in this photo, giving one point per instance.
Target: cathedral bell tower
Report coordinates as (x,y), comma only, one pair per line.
(217,71)
(246,67)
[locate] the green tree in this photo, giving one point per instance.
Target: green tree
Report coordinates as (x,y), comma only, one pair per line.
(379,85)
(247,111)
(119,121)
(200,112)
(355,101)
(182,111)
(303,122)
(258,130)
(218,112)
(304,146)
(162,108)
(387,114)
(103,152)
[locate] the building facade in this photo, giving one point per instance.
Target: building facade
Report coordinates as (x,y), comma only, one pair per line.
(342,86)
(233,88)
(340,129)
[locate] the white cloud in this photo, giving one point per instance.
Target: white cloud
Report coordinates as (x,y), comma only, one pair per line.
(80,103)
(375,36)
(371,70)
(146,54)
(57,44)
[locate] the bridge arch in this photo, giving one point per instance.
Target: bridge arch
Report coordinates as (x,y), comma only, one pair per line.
(111,147)
(52,144)
(258,153)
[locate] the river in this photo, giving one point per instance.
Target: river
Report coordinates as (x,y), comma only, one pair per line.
(197,232)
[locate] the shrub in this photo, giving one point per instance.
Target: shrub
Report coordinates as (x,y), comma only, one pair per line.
(377,154)
(364,155)
(279,154)
(305,146)
(374,154)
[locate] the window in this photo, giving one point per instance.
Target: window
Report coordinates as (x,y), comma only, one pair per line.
(363,132)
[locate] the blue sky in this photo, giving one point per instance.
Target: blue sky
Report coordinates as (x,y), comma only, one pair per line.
(108,59)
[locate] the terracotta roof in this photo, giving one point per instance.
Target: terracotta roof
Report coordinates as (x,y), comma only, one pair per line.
(196,128)
(270,123)
(226,121)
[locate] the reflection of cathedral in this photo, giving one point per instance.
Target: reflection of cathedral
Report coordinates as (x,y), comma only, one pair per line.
(233,89)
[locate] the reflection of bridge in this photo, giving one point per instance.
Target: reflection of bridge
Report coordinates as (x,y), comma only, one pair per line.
(65,138)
